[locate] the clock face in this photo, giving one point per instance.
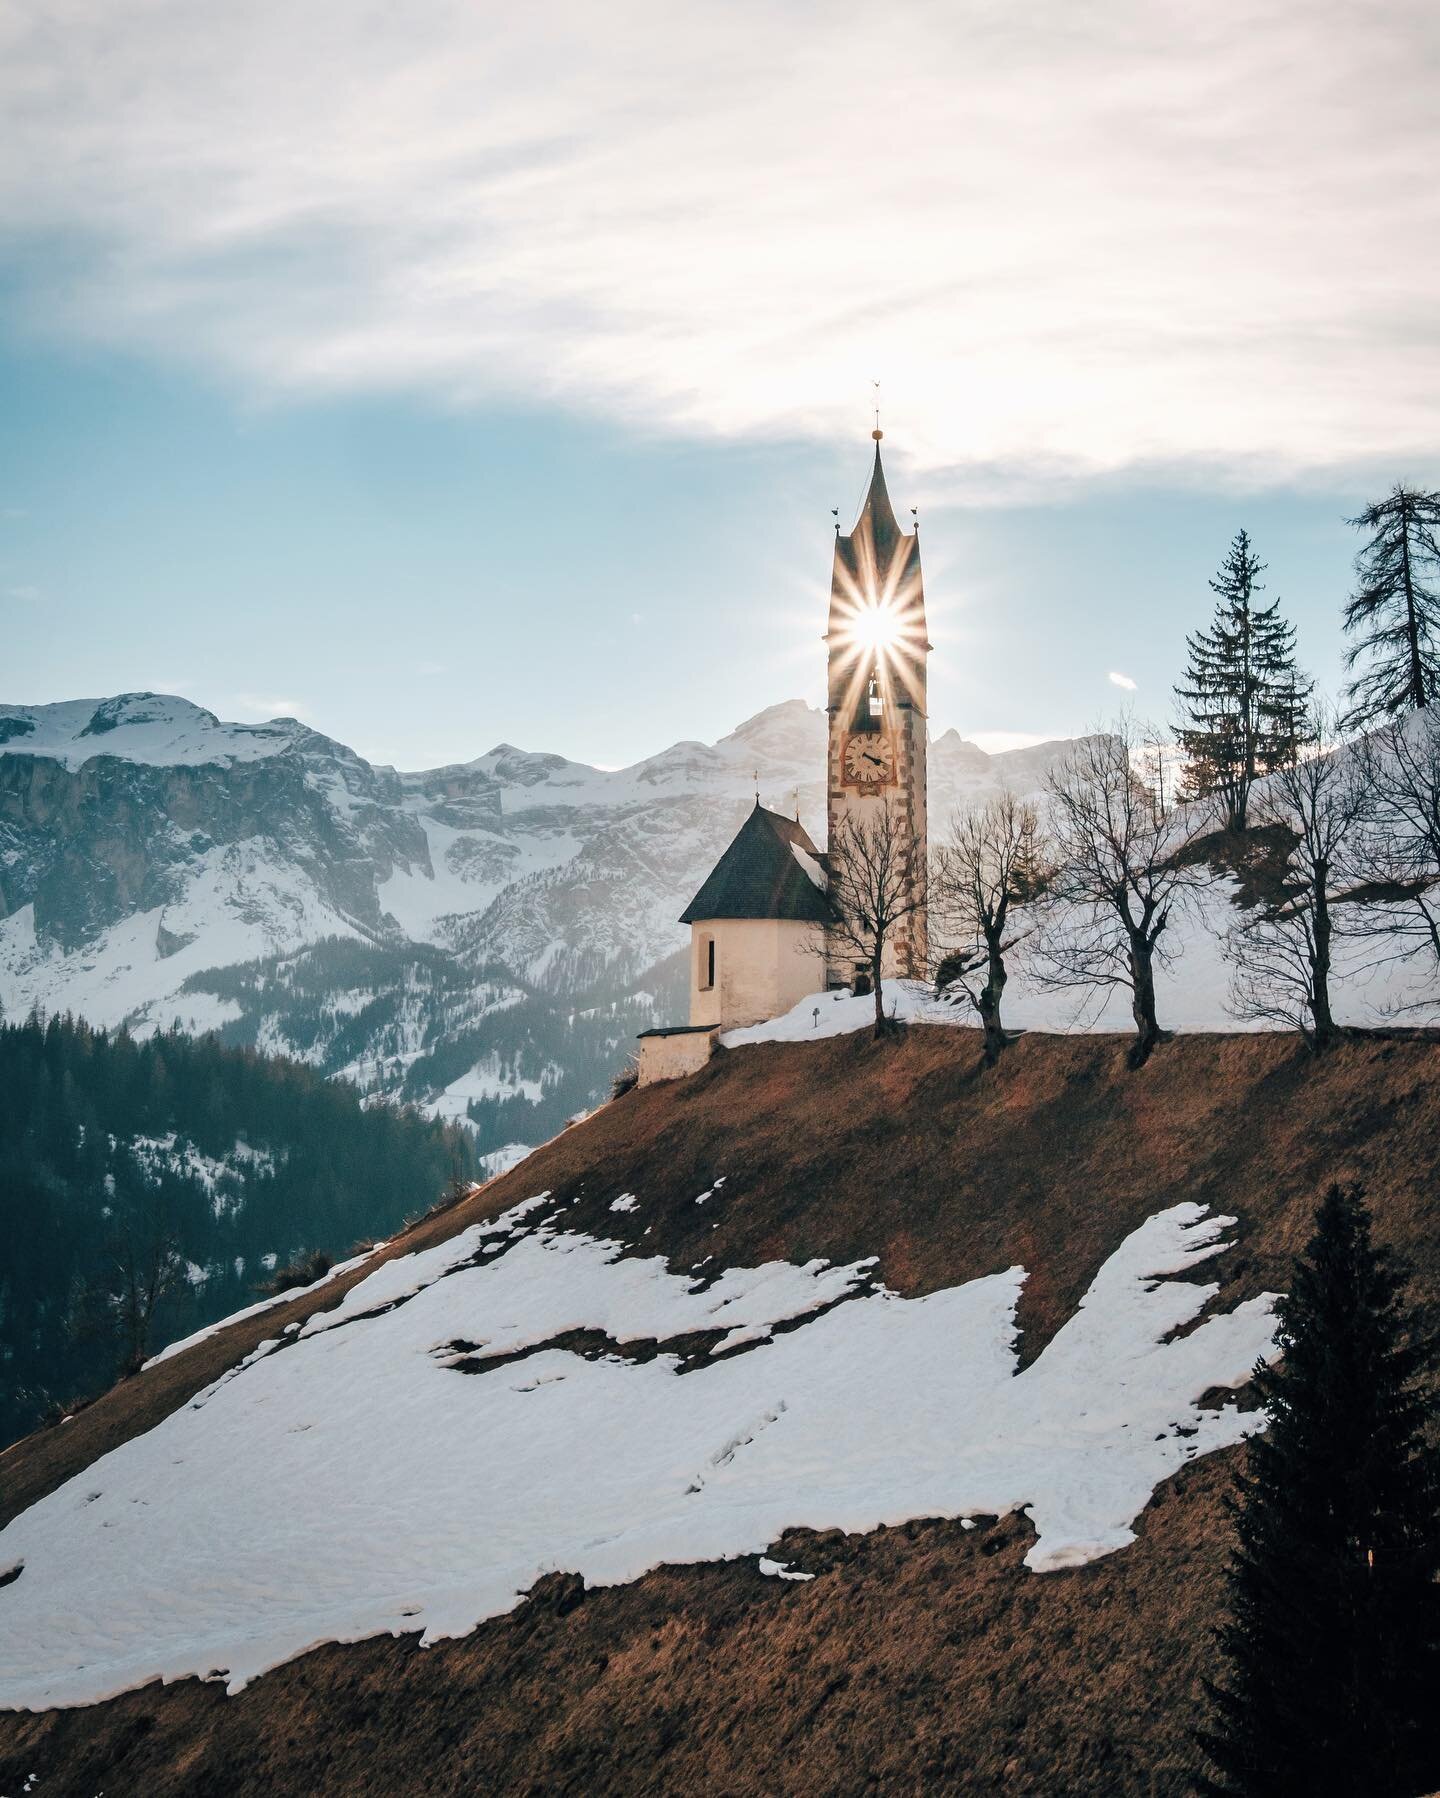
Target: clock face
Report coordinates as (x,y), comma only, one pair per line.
(869,760)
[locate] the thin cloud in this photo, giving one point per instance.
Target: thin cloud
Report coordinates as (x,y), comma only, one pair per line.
(1151,235)
(1121,680)
(259,708)
(27,595)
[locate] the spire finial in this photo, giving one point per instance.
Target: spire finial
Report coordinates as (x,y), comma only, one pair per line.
(877,433)
(757,786)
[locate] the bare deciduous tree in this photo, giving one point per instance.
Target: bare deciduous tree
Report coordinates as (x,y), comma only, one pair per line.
(1401,845)
(1281,954)
(1118,841)
(144,1265)
(987,866)
(876,883)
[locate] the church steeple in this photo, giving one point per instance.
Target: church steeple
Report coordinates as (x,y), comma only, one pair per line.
(757,921)
(877,569)
(877,520)
(877,647)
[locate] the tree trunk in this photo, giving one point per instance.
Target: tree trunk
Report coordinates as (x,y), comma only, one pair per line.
(875,961)
(990,996)
(1250,723)
(1325,1031)
(1142,998)
(1412,628)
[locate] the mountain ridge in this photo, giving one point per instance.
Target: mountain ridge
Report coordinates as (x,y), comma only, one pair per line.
(158,865)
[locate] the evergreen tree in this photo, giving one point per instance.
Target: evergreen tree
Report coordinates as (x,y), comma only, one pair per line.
(97,1218)
(1395,608)
(1242,697)
(1333,1635)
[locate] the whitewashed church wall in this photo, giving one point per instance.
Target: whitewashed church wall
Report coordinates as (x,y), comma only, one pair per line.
(673,1057)
(763,966)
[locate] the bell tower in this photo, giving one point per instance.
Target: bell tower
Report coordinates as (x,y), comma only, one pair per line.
(877,646)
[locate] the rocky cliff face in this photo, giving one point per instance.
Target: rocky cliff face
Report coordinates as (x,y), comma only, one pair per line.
(486,937)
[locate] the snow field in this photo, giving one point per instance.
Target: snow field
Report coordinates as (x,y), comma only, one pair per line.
(156,728)
(371,1475)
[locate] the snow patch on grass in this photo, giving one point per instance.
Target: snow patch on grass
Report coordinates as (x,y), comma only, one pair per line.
(781,1569)
(350,1481)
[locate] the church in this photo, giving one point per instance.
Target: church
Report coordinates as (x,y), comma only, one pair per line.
(764,931)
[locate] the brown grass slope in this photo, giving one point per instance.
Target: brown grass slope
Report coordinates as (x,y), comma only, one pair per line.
(921,1659)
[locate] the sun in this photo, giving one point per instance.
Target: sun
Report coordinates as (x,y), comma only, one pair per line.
(878,628)
(875,627)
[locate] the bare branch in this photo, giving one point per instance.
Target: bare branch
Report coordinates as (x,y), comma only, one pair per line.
(1120,872)
(876,883)
(1399,852)
(1281,955)
(990,863)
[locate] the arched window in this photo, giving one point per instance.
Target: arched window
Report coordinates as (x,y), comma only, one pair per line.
(870,713)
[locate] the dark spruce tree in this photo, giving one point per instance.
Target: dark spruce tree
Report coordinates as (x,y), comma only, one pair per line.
(1394,612)
(1332,1641)
(1242,698)
(147,1188)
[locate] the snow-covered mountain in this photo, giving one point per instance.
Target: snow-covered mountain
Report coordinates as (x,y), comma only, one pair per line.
(485,937)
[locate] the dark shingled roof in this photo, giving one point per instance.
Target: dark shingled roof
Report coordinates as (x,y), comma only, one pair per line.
(759,877)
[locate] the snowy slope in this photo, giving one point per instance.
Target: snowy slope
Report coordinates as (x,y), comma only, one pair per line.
(1192,991)
(416,1459)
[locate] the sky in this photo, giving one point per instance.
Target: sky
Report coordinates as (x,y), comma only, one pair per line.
(448,374)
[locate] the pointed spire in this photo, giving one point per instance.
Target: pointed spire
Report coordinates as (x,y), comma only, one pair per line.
(884,527)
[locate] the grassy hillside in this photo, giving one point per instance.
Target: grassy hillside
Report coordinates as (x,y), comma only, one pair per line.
(923,1657)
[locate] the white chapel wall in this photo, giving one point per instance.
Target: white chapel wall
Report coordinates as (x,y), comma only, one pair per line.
(673,1057)
(763,966)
